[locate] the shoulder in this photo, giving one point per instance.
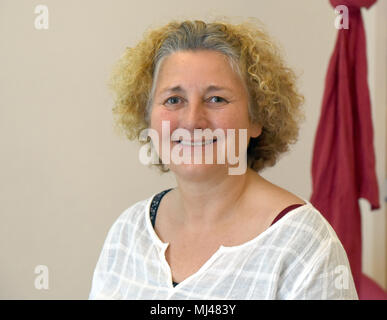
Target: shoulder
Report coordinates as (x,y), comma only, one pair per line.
(269,199)
(304,237)
(121,239)
(131,220)
(305,227)
(135,211)
(314,256)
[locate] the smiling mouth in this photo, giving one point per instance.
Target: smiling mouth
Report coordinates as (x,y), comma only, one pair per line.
(196,143)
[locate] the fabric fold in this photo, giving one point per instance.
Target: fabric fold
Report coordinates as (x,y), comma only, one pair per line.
(343,164)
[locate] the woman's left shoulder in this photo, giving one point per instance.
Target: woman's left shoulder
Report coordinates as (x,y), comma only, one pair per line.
(309,220)
(304,216)
(306,233)
(319,256)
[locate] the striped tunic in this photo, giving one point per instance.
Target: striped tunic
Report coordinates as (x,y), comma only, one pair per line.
(298,257)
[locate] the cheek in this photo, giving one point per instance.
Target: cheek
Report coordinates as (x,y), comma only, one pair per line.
(232,121)
(159,116)
(236,122)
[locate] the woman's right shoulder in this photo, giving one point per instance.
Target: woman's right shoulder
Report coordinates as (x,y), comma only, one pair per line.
(135,211)
(131,219)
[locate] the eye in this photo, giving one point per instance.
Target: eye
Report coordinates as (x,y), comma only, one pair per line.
(217,99)
(172,100)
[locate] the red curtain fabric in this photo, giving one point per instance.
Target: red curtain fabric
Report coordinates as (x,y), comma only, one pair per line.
(343,165)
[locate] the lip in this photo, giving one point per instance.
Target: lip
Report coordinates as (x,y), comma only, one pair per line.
(199,143)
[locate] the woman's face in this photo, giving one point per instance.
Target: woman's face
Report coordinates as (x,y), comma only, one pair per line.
(199,90)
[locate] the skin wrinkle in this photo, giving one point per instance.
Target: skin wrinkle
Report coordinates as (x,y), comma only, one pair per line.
(274,101)
(211,211)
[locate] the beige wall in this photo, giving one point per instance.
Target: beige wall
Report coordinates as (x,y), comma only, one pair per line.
(65,176)
(375,222)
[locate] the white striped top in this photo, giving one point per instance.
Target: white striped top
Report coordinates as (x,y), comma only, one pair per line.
(298,257)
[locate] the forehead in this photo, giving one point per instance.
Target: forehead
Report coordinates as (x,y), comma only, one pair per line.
(196,68)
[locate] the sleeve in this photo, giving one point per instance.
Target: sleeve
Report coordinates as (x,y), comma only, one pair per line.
(327,277)
(100,283)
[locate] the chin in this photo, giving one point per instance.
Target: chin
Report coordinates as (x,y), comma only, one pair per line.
(196,172)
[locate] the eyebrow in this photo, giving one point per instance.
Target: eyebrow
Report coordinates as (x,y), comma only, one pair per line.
(177,89)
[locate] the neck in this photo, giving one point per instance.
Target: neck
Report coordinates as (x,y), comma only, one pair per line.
(213,200)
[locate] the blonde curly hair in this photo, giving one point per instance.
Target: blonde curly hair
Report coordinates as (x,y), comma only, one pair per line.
(274,101)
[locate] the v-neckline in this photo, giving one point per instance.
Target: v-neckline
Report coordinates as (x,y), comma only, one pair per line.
(163,246)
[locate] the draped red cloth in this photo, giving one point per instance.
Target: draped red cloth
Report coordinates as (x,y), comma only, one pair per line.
(343,165)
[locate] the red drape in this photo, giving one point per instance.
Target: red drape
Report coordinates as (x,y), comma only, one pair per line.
(343,165)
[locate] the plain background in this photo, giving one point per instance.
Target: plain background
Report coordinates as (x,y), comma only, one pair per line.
(66,175)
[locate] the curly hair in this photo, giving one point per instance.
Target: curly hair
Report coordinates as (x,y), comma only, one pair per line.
(274,101)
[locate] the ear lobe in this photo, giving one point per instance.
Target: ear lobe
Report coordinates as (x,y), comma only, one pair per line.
(256,130)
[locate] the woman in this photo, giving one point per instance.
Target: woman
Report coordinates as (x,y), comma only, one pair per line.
(216,235)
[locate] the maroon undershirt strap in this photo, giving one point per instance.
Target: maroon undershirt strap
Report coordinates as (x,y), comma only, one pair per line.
(285,211)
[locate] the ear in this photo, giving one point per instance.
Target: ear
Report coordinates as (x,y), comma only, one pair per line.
(255,130)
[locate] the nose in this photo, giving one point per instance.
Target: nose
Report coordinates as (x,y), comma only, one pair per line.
(194,116)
